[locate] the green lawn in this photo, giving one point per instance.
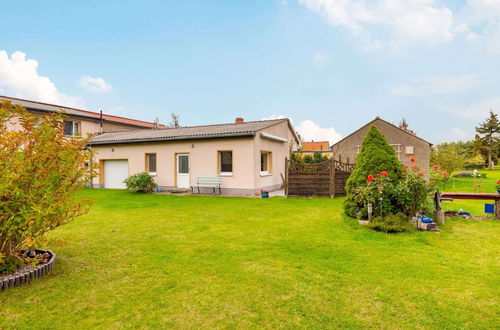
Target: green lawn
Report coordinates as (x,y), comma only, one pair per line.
(196,262)
(485,185)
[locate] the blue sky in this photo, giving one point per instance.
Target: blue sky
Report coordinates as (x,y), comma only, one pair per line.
(329,65)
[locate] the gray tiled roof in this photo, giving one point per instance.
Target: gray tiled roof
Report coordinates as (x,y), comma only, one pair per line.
(46,107)
(184,133)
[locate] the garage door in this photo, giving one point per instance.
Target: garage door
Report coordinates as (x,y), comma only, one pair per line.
(115,171)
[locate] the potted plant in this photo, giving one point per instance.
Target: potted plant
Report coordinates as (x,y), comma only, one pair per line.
(498,186)
(264,193)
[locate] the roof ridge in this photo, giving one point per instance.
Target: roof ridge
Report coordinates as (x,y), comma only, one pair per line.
(196,126)
(385,121)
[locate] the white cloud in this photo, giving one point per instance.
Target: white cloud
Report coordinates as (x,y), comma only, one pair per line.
(478,111)
(436,85)
(396,23)
(19,77)
(402,90)
(320,59)
(454,134)
(310,131)
(443,84)
(96,84)
(406,21)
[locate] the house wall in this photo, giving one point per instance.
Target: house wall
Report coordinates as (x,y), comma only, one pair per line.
(279,151)
(113,127)
(203,160)
(346,149)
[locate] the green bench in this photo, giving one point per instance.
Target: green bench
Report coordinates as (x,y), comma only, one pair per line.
(213,182)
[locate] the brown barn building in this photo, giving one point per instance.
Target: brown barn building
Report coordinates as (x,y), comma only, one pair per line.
(406,144)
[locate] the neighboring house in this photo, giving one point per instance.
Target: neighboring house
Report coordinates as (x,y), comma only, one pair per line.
(311,148)
(249,156)
(406,144)
(80,121)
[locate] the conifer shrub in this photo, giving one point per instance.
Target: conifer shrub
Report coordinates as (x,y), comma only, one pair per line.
(375,156)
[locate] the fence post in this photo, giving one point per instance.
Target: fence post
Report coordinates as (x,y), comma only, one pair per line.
(332,178)
(287,165)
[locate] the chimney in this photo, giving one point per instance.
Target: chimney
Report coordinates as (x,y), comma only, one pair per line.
(239,120)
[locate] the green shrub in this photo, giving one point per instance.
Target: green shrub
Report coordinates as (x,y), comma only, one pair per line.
(141,182)
(10,264)
(391,223)
(375,156)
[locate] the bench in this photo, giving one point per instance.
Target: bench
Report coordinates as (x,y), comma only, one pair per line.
(213,182)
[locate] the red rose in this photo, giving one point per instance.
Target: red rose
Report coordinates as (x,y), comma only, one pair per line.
(413,167)
(413,160)
(443,173)
(405,166)
(422,173)
(383,173)
(369,178)
(435,167)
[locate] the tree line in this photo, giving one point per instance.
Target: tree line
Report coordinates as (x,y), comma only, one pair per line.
(478,153)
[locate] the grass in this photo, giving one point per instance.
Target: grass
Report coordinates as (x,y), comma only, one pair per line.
(485,185)
(197,262)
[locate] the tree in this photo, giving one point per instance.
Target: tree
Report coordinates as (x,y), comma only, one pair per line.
(446,156)
(40,171)
(174,120)
(376,155)
(477,146)
(490,135)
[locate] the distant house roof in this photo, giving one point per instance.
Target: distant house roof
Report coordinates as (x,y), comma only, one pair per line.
(380,119)
(47,107)
(315,146)
(187,133)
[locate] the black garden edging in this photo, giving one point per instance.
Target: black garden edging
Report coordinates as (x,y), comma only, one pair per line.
(25,275)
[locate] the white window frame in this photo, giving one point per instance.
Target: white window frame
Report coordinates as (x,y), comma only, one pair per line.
(147,162)
(75,127)
(219,156)
(397,149)
(269,162)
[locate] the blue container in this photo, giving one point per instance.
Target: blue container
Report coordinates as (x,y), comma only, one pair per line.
(264,195)
(489,208)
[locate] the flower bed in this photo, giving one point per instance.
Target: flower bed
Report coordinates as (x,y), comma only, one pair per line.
(26,274)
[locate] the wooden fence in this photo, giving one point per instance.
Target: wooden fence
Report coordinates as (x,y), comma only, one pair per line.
(320,179)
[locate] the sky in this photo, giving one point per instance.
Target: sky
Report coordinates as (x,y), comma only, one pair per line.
(329,65)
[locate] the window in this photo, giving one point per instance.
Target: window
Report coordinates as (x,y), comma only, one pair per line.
(151,163)
(397,149)
(409,150)
(265,162)
(71,127)
(39,121)
(225,162)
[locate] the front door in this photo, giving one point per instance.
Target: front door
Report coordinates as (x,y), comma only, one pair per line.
(182,170)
